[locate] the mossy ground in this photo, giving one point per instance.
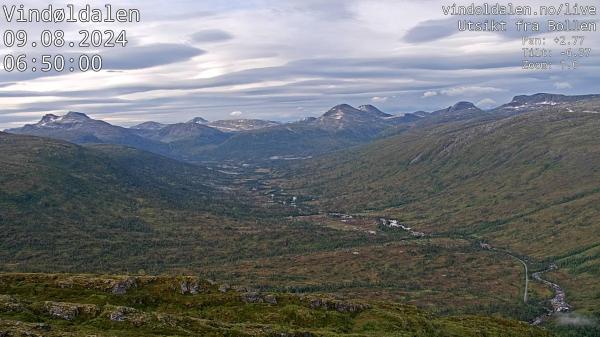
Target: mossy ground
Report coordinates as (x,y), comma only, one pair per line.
(84,305)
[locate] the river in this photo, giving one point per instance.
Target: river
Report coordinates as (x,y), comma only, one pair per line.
(558,303)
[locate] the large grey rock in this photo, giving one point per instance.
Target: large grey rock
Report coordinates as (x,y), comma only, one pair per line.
(252,297)
(340,306)
(271,299)
(119,314)
(121,287)
(189,286)
(69,311)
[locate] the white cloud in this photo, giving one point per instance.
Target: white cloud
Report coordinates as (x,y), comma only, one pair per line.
(378,99)
(235,113)
(486,103)
(563,85)
(469,91)
(575,319)
(430,94)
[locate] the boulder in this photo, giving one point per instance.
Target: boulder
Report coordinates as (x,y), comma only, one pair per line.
(271,299)
(119,314)
(121,287)
(339,306)
(189,286)
(69,311)
(252,297)
(10,304)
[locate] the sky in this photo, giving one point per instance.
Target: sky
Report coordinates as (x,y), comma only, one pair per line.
(282,60)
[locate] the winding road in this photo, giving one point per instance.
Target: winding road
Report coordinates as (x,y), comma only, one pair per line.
(522,262)
(558,303)
(526,278)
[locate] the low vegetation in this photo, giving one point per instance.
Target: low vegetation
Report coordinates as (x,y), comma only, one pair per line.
(84,305)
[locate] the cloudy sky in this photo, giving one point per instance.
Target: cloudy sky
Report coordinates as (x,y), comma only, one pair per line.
(283,60)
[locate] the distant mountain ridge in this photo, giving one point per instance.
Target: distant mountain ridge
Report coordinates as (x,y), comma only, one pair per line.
(148,126)
(199,138)
(346,117)
(340,127)
(525,103)
(253,139)
(79,128)
(184,132)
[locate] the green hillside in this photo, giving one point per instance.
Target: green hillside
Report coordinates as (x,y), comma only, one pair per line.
(284,141)
(67,207)
(530,183)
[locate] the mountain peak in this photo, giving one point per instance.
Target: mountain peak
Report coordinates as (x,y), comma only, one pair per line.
(149,126)
(523,103)
(198,120)
(51,120)
(459,110)
(76,115)
(343,107)
(539,98)
(48,118)
(373,110)
(340,110)
(463,106)
(547,98)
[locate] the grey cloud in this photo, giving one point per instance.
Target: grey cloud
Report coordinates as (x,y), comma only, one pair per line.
(147,56)
(431,30)
(348,75)
(333,81)
(326,10)
(211,35)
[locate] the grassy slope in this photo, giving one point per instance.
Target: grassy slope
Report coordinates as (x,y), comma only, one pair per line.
(82,305)
(442,275)
(69,207)
(528,182)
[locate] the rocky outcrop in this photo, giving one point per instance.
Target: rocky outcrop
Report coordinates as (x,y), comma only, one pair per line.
(295,334)
(251,297)
(337,305)
(224,288)
(189,286)
(121,287)
(70,311)
(10,304)
(255,297)
(121,314)
(271,299)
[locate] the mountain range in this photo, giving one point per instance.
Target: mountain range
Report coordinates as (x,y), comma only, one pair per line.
(253,140)
(239,139)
